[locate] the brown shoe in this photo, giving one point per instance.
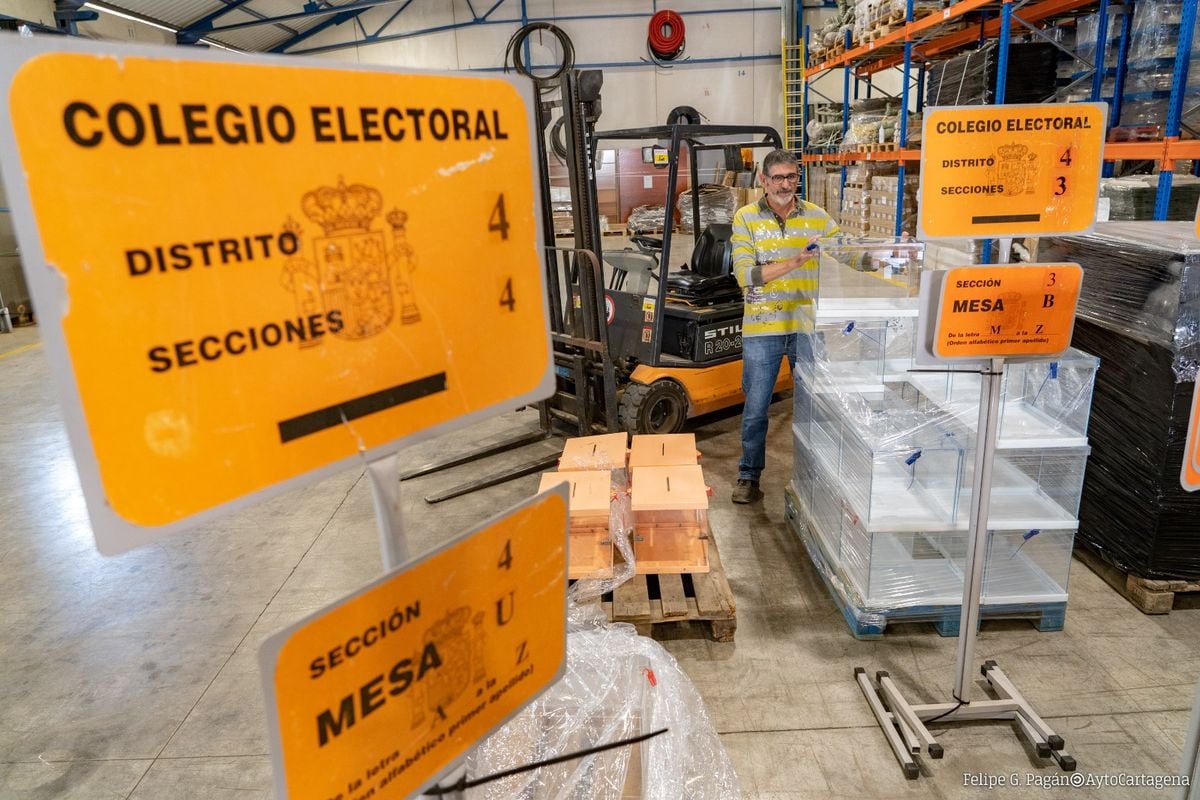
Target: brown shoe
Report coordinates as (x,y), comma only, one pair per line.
(746,492)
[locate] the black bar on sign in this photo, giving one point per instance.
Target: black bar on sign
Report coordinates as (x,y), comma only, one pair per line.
(332,416)
(997,218)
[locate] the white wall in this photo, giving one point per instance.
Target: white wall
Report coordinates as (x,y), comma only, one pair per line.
(39,11)
(734,92)
(118,29)
(109,26)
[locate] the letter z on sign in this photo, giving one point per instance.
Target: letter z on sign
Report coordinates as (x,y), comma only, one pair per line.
(473,632)
(262,299)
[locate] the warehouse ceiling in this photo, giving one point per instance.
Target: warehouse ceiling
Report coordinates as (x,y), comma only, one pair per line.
(251,25)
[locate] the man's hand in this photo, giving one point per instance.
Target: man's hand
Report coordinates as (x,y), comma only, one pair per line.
(778,269)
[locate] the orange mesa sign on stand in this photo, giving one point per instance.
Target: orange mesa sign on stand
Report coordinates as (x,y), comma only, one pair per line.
(1003,312)
(375,695)
(250,271)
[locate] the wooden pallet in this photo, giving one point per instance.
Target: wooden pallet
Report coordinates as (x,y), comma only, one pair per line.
(1148,595)
(879,147)
(650,600)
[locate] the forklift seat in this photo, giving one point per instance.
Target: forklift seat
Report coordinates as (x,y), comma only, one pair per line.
(713,255)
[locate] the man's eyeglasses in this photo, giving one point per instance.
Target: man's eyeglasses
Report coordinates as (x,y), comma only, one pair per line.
(791,177)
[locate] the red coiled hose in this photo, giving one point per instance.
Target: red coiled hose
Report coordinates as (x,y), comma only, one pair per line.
(666,39)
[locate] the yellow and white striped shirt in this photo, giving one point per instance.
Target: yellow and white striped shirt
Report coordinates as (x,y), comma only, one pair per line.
(760,237)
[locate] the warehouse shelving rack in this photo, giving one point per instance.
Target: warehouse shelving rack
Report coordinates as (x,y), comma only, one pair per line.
(919,41)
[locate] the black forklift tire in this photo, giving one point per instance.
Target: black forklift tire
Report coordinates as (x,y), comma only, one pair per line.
(659,407)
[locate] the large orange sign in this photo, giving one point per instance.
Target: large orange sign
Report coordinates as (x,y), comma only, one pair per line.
(258,270)
(1189,476)
(1019,170)
(1000,311)
(380,693)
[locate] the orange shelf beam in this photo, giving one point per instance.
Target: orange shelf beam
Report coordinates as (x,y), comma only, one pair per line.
(1032,13)
(898,36)
(1166,150)
(849,157)
(1035,12)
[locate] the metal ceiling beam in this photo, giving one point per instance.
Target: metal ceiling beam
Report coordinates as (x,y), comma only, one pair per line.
(308,13)
(334,21)
(195,31)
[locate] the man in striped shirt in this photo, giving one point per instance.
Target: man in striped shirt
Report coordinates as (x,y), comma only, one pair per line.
(776,262)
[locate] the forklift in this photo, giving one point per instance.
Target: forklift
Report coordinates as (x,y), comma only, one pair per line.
(631,350)
(675,336)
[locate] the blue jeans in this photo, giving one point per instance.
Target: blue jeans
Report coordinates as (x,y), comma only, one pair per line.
(761,357)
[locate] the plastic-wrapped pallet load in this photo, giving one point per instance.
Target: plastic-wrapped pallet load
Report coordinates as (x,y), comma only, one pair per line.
(1133,197)
(1140,313)
(717,205)
(1153,44)
(1078,86)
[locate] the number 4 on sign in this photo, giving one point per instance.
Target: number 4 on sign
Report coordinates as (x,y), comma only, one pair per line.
(498,221)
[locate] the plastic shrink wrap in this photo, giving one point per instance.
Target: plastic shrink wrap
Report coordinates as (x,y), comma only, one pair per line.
(717,205)
(617,685)
(1140,313)
(884,457)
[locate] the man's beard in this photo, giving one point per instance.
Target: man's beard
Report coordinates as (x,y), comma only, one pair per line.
(782,196)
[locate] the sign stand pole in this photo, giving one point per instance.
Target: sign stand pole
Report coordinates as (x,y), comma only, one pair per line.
(981,500)
(385,491)
(384,475)
(904,724)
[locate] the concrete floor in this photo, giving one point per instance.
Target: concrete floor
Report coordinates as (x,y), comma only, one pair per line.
(136,676)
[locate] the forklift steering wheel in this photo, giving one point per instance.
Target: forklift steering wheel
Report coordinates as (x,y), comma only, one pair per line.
(647,242)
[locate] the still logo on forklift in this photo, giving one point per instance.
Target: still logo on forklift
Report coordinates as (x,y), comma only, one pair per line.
(725,330)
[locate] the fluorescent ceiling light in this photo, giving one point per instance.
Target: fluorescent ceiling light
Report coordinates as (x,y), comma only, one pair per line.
(144,21)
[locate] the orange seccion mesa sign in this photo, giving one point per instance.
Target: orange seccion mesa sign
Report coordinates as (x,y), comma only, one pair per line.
(1189,476)
(250,271)
(1002,171)
(377,695)
(1002,311)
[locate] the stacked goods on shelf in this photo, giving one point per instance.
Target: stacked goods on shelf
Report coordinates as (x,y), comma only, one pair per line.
(833,193)
(1152,49)
(1132,198)
(830,39)
(815,185)
(855,216)
(876,18)
(1140,313)
(1078,86)
(885,196)
(669,500)
(855,219)
(875,124)
(885,459)
(970,79)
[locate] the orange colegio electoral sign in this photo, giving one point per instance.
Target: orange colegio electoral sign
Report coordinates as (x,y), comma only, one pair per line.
(294,265)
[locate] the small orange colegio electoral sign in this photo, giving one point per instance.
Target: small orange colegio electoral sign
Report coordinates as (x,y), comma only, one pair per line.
(1010,170)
